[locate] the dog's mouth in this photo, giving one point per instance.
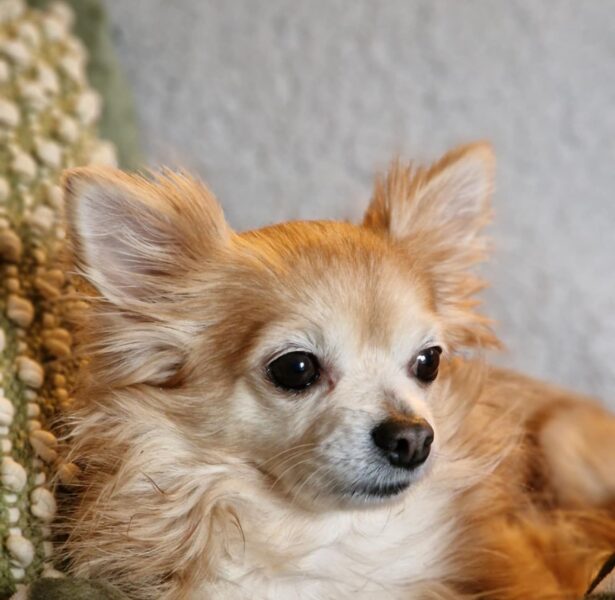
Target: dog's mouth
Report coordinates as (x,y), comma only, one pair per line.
(386,490)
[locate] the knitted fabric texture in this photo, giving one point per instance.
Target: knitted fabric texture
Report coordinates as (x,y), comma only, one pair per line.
(48,118)
(118,121)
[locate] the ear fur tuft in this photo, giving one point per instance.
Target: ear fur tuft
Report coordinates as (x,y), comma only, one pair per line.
(141,243)
(437,215)
(132,236)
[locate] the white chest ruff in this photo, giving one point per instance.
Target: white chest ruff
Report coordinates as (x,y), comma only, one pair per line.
(387,552)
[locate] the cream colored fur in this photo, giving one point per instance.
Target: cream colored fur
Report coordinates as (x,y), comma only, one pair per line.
(200,479)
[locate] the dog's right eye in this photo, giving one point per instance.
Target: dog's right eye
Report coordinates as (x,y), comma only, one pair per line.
(294,371)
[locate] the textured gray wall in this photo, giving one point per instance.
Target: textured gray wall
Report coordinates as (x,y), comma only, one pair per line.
(287,109)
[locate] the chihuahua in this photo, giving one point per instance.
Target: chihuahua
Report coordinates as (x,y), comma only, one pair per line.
(304,410)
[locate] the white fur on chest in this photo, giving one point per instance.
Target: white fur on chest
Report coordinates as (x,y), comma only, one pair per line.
(387,551)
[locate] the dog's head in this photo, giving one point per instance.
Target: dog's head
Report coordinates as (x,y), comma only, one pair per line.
(309,350)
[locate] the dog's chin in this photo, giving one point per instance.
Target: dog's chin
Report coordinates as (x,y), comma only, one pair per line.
(361,493)
(364,494)
(368,494)
(384,490)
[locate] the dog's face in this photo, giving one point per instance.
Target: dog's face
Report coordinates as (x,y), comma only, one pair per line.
(310,351)
(332,396)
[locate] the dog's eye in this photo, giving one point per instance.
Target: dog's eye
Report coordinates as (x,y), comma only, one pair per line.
(426,364)
(294,371)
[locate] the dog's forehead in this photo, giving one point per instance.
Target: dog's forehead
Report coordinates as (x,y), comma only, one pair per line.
(343,279)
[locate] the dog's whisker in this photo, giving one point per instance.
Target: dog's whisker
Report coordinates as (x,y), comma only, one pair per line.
(295,455)
(262,464)
(319,472)
(294,465)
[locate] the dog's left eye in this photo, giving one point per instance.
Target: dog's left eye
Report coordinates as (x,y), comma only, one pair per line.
(426,364)
(294,371)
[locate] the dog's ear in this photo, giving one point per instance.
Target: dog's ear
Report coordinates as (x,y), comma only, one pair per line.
(143,244)
(133,237)
(437,215)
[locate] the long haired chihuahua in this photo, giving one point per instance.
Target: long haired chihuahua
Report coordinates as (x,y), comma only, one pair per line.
(302,411)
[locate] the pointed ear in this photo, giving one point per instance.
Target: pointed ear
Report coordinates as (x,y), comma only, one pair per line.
(133,237)
(437,214)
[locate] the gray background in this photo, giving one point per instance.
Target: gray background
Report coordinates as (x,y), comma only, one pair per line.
(288,108)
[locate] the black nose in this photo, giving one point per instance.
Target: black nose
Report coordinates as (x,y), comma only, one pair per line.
(405,442)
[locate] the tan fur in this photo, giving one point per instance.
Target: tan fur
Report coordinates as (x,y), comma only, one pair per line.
(201,480)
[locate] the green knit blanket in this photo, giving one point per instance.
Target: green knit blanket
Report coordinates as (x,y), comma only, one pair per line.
(48,122)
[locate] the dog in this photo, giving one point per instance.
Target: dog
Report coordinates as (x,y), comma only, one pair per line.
(305,411)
